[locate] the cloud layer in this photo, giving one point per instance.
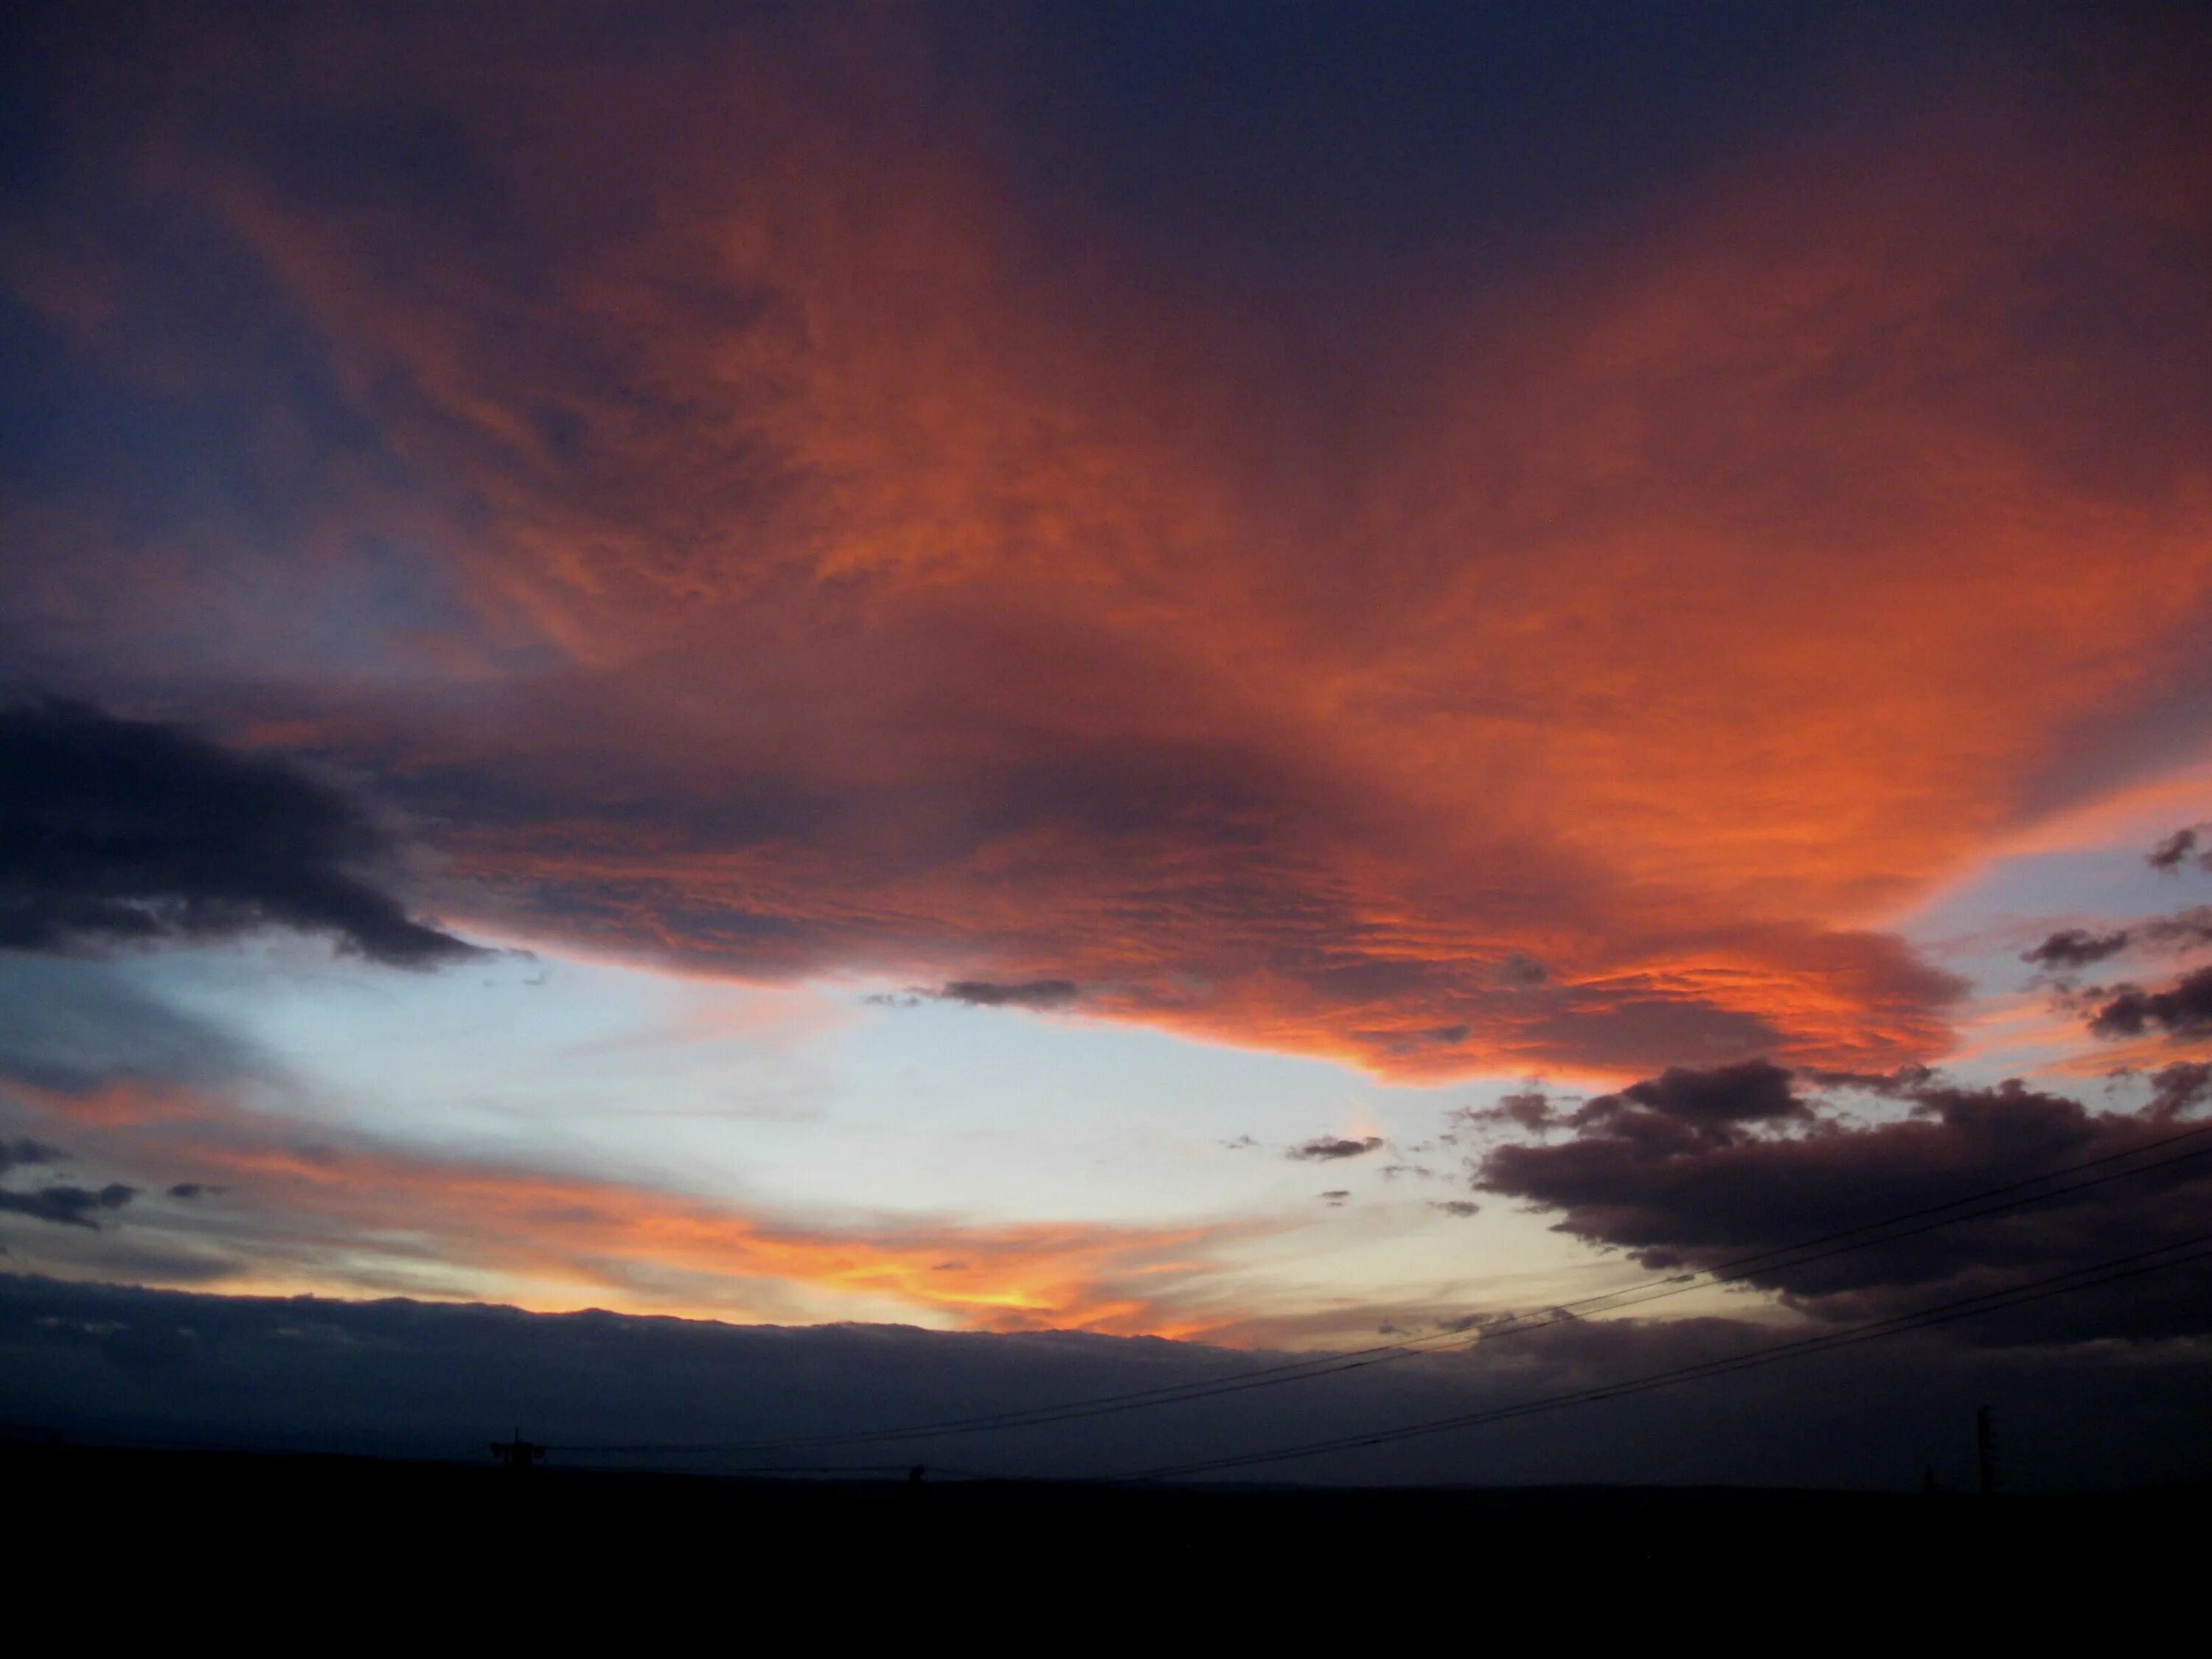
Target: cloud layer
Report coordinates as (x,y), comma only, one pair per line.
(1379,581)
(413,1379)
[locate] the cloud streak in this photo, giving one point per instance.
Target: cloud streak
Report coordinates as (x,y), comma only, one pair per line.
(377,1217)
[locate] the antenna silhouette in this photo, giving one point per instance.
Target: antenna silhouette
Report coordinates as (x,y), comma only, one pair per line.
(516,1455)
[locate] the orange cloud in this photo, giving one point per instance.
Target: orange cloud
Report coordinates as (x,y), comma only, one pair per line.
(1579,667)
(294,1213)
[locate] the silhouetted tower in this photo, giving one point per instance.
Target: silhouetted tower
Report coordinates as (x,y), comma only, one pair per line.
(517,1455)
(1985,1449)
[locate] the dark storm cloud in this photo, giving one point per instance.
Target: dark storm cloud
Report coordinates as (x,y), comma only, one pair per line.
(2182,1010)
(1031,993)
(1327,1149)
(436,1381)
(117,832)
(1693,1171)
(2180,848)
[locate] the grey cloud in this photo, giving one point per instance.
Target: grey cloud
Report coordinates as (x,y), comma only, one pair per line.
(1328,1149)
(68,1206)
(63,1205)
(2180,848)
(117,832)
(2076,947)
(1756,1091)
(2177,1088)
(1530,1110)
(1031,994)
(2182,929)
(25,1151)
(2182,1010)
(1695,1187)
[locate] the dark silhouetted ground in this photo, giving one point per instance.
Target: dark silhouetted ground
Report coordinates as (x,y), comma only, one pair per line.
(296,1532)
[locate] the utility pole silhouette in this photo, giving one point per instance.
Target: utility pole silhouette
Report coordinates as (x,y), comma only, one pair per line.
(516,1455)
(1985,1449)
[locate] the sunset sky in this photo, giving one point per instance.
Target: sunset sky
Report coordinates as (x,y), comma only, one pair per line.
(1252,673)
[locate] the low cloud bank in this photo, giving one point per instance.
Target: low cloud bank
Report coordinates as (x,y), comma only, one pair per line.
(410,1378)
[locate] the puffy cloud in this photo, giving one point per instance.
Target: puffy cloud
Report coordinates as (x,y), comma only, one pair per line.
(2180,848)
(2182,1010)
(2182,930)
(2176,1087)
(2072,948)
(1757,1091)
(1530,1110)
(127,832)
(2076,947)
(1730,1164)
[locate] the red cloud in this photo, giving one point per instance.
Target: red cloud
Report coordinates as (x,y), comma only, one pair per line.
(1575,676)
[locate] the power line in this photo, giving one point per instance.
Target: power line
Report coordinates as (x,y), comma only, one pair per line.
(2078,1278)
(1890,1230)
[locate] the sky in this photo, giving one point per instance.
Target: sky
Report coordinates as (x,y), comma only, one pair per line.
(1257,675)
